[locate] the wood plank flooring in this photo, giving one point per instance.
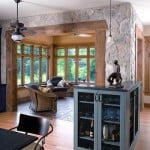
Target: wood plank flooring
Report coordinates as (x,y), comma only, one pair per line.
(143,142)
(62,137)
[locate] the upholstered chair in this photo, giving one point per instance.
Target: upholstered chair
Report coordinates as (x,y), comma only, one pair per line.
(41,101)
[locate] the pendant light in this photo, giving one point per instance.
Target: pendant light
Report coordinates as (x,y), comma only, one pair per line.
(17,36)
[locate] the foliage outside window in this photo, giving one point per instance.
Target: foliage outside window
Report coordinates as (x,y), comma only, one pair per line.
(60,67)
(76,63)
(32,64)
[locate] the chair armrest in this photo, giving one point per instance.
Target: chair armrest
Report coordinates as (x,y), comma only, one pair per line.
(52,95)
(43,137)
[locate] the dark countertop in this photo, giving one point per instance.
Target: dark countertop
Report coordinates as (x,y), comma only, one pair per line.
(126,86)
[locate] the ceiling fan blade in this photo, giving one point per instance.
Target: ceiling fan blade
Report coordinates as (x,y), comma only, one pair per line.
(19,24)
(10,29)
(29,31)
(22,28)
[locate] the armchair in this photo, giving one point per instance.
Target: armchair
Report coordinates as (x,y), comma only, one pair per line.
(42,101)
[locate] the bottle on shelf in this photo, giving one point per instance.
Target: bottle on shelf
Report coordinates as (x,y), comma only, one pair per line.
(105,132)
(114,133)
(92,129)
(81,126)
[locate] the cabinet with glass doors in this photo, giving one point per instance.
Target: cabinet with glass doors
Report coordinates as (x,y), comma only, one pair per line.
(106,118)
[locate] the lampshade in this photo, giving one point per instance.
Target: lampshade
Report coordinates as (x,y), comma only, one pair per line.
(109,38)
(17,36)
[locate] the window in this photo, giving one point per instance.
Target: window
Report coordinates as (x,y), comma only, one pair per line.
(32,64)
(75,63)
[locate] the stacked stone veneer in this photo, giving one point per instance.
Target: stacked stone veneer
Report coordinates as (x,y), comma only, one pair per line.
(121,47)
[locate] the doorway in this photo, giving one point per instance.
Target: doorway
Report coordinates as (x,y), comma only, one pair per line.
(99,27)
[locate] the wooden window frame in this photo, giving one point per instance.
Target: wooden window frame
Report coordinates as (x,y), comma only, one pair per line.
(32,56)
(76,57)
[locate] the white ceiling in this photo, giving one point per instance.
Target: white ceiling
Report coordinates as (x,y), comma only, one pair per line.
(36,7)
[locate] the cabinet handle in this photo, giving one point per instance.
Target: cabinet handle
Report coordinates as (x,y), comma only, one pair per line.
(100,98)
(96,97)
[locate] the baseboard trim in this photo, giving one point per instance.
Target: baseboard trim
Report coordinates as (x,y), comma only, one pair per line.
(147,105)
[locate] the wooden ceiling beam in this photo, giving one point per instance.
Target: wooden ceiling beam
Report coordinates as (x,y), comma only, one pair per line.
(89,26)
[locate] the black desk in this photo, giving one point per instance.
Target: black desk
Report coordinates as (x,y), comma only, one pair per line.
(11,140)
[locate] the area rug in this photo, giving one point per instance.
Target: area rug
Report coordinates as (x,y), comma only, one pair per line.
(64,109)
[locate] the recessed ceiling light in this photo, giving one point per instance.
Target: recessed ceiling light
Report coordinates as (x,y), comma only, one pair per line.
(82,34)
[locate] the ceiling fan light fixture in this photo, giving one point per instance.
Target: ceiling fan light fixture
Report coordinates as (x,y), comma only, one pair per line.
(17,36)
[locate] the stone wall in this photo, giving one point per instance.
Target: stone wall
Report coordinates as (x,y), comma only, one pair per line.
(121,47)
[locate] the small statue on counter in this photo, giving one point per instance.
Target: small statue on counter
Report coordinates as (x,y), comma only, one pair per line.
(115,76)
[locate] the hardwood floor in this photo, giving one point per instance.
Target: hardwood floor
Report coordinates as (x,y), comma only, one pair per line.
(143,142)
(62,136)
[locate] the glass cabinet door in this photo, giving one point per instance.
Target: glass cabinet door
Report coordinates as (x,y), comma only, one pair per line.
(86,120)
(106,119)
(110,134)
(134,115)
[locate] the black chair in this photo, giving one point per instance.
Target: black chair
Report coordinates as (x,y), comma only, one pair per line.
(34,125)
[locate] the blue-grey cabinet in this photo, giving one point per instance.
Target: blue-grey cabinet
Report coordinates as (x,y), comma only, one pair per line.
(106,118)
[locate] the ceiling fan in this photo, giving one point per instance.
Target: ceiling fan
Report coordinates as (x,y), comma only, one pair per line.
(17,27)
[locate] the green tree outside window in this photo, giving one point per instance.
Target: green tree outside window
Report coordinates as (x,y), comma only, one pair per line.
(19,70)
(36,70)
(71,69)
(61,67)
(44,69)
(27,70)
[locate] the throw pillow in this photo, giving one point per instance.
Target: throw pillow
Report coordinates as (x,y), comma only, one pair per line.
(49,84)
(61,83)
(44,89)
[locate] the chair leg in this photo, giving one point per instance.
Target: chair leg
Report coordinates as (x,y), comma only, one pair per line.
(42,148)
(30,106)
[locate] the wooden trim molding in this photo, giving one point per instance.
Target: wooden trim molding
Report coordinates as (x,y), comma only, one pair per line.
(140,62)
(60,29)
(100,58)
(147,66)
(11,78)
(147,93)
(146,105)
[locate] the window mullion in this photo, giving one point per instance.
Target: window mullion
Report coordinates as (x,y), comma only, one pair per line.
(66,62)
(88,64)
(77,63)
(32,65)
(22,64)
(40,65)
